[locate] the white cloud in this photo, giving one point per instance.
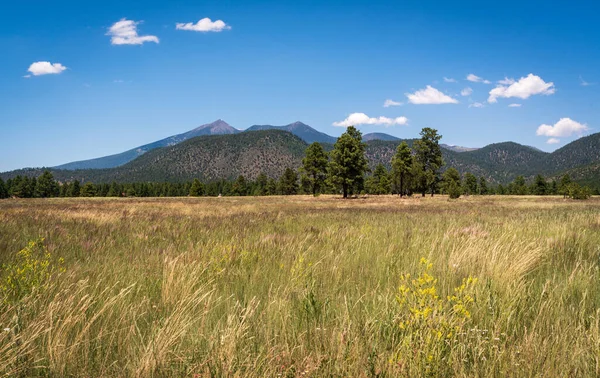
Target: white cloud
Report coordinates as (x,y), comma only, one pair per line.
(476,105)
(563,128)
(45,68)
(390,102)
(585,83)
(477,79)
(514,105)
(204,25)
(553,141)
(450,80)
(430,95)
(124,32)
(524,88)
(506,81)
(356,119)
(466,92)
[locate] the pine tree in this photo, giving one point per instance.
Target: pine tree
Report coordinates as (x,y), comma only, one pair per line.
(3,189)
(197,189)
(75,189)
(429,155)
(261,184)
(46,186)
(540,186)
(519,187)
(402,168)
(451,182)
(483,188)
(88,190)
(563,187)
(379,183)
(348,162)
(114,190)
(239,187)
(314,165)
(470,184)
(288,182)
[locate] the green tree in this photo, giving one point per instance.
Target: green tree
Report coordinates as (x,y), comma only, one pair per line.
(261,184)
(46,186)
(314,165)
(470,183)
(239,187)
(3,189)
(402,168)
(501,190)
(519,186)
(563,187)
(88,190)
(429,154)
(75,189)
(197,189)
(451,182)
(483,187)
(114,190)
(576,191)
(271,188)
(348,161)
(540,186)
(288,182)
(379,182)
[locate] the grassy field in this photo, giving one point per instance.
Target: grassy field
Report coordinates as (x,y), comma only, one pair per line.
(300,286)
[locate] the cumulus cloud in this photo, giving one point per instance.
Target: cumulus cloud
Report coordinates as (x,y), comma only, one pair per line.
(356,119)
(125,32)
(466,92)
(204,25)
(476,79)
(476,105)
(430,95)
(390,102)
(514,105)
(45,68)
(450,80)
(553,141)
(563,128)
(524,88)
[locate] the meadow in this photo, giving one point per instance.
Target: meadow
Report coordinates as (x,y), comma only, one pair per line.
(298,286)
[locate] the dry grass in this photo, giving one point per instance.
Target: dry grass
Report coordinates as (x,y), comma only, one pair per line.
(302,286)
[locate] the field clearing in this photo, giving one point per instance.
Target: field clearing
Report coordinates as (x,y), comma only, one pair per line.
(298,286)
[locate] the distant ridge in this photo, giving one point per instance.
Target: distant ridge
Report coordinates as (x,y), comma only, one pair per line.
(379,136)
(219,127)
(301,130)
(457,148)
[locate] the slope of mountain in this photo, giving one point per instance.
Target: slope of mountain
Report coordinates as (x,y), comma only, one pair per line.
(218,127)
(457,148)
(379,136)
(581,152)
(301,130)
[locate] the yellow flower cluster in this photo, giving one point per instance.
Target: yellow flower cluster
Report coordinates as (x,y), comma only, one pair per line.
(430,323)
(30,271)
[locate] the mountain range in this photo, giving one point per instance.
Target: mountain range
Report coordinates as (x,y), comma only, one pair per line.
(217,150)
(219,127)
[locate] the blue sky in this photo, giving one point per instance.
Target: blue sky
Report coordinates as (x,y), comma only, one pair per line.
(276,62)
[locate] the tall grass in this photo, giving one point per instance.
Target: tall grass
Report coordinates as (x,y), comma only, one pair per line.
(302,286)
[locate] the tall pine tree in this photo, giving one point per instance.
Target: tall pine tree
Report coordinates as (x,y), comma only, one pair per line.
(348,161)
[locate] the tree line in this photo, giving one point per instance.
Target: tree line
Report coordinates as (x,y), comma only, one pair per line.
(341,171)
